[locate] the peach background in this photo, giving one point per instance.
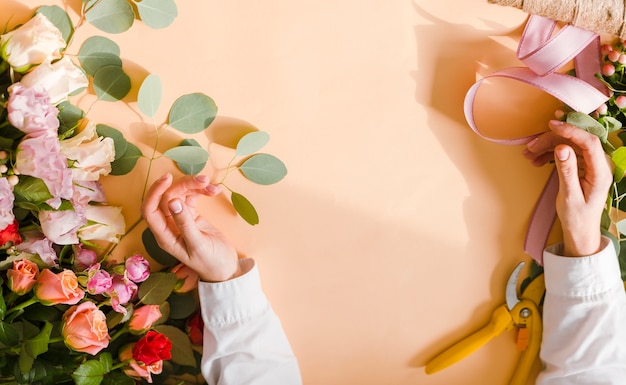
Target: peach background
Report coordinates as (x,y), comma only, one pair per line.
(396,228)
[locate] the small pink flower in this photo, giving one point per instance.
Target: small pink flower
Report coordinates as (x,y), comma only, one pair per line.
(122,290)
(30,110)
(84,258)
(137,268)
(620,101)
(608,69)
(98,281)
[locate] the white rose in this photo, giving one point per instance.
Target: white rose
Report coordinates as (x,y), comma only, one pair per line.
(105,223)
(92,154)
(34,42)
(59,79)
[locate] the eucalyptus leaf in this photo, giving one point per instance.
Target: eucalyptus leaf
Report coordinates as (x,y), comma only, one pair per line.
(59,18)
(111,83)
(69,118)
(192,113)
(97,52)
(190,159)
(150,94)
(155,251)
(264,169)
(89,373)
(611,123)
(127,161)
(157,13)
(588,124)
(619,159)
(182,351)
(156,289)
(119,141)
(111,16)
(251,143)
(244,208)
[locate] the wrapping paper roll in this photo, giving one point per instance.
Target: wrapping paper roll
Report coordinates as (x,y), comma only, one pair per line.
(601,16)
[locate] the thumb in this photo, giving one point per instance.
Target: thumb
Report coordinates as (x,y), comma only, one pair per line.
(567,168)
(184,220)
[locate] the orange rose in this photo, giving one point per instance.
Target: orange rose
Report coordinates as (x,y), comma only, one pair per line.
(137,369)
(85,328)
(187,278)
(54,289)
(143,318)
(22,277)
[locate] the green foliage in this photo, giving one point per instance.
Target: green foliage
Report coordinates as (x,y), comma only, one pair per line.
(112,16)
(126,161)
(192,113)
(150,94)
(157,13)
(97,52)
(111,83)
(244,208)
(156,289)
(153,249)
(190,159)
(251,143)
(59,18)
(182,352)
(264,169)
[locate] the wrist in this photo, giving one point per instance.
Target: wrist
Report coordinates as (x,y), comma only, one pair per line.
(223,273)
(582,245)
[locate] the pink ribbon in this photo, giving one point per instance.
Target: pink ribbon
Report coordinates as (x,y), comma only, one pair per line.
(544,52)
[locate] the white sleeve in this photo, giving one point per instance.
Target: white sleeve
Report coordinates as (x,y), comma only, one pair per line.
(244,342)
(584,319)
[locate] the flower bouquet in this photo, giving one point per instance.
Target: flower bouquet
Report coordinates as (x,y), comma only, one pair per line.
(68,312)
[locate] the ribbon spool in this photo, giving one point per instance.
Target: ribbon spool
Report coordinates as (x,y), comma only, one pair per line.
(544,52)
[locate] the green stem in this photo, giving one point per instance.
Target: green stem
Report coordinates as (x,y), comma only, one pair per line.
(22,305)
(152,157)
(119,333)
(120,365)
(55,340)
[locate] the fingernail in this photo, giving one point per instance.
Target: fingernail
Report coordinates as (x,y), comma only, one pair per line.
(562,154)
(201,178)
(175,206)
(213,189)
(556,122)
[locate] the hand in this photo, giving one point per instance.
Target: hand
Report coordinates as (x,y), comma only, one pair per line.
(584,179)
(169,210)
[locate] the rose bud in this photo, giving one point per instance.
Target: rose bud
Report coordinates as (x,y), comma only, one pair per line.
(187,278)
(139,370)
(143,318)
(22,277)
(84,258)
(137,268)
(152,347)
(98,281)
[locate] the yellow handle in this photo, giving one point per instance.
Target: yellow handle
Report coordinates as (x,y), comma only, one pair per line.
(528,357)
(500,321)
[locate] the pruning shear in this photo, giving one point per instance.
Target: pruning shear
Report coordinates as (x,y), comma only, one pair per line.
(519,312)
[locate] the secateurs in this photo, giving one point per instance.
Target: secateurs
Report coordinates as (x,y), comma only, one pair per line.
(520,312)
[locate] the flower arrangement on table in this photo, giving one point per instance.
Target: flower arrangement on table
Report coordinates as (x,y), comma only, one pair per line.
(68,313)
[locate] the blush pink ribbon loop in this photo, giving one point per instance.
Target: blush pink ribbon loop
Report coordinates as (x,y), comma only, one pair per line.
(545,52)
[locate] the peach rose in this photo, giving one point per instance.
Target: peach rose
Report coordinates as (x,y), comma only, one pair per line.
(22,277)
(139,370)
(61,288)
(143,318)
(85,328)
(187,278)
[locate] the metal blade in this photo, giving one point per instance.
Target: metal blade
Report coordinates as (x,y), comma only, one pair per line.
(511,286)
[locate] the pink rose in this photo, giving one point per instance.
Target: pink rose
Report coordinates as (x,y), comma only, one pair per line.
(98,281)
(139,370)
(143,318)
(61,227)
(22,277)
(122,290)
(31,111)
(137,268)
(187,278)
(85,328)
(6,203)
(61,288)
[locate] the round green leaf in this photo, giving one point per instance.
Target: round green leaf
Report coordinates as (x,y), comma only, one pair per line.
(69,117)
(97,52)
(588,124)
(251,143)
(182,351)
(89,373)
(156,289)
(192,113)
(150,93)
(111,16)
(119,141)
(59,18)
(190,159)
(182,305)
(157,13)
(156,252)
(127,161)
(111,83)
(244,208)
(263,169)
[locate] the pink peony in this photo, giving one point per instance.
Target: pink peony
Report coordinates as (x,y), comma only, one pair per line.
(31,111)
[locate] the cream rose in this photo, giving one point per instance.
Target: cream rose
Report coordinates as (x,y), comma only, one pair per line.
(60,79)
(92,154)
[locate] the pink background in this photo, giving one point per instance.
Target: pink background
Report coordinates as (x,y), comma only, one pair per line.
(395,230)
